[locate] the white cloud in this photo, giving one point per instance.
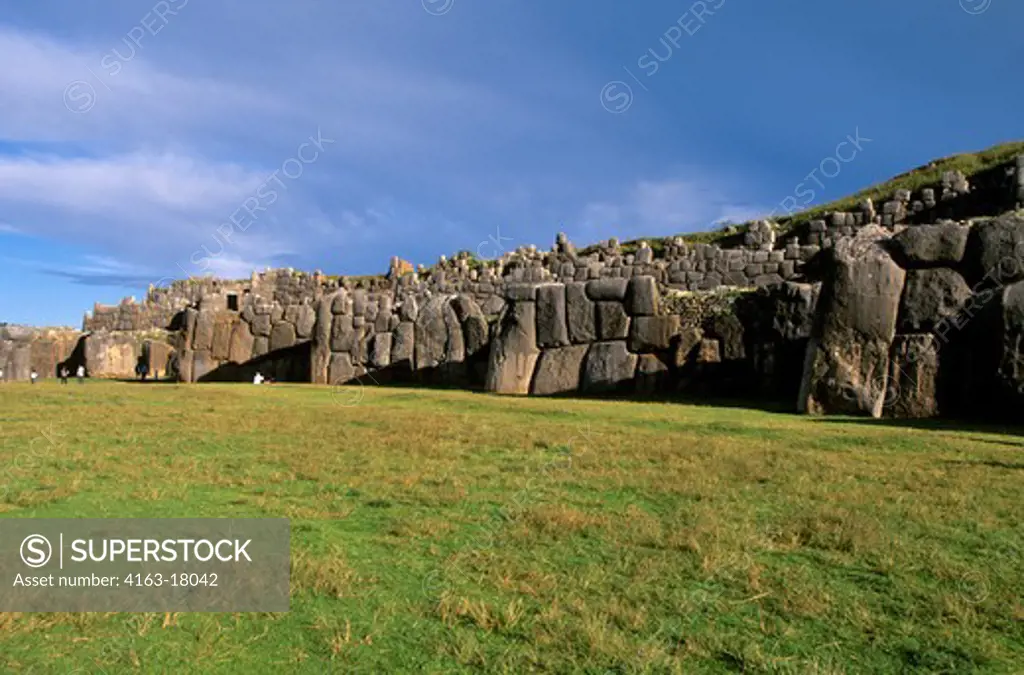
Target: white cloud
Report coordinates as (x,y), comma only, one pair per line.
(663,208)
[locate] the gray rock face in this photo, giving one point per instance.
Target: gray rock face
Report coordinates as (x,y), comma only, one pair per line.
(552,329)
(261,325)
(930,296)
(923,245)
(186,359)
(685,345)
(642,296)
(521,292)
(282,336)
(409,309)
(607,367)
(995,251)
(581,314)
(794,310)
(1011,365)
(341,303)
(380,350)
(222,330)
(305,321)
(202,365)
(343,333)
(241,343)
(847,364)
(203,340)
(652,333)
(730,333)
(612,321)
(607,288)
(321,357)
(476,333)
(438,335)
(403,343)
(559,370)
(260,346)
(913,377)
(341,369)
(514,350)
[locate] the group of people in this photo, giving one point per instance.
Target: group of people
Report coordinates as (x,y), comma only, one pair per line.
(64,374)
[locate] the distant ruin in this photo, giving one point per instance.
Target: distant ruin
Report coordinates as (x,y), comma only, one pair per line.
(911,308)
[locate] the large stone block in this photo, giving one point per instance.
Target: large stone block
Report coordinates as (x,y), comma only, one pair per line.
(581,314)
(343,333)
(847,364)
(931,296)
(729,331)
(642,296)
(203,364)
(305,321)
(514,351)
(612,321)
(341,369)
(439,337)
(608,367)
(261,325)
(608,288)
(282,336)
(995,251)
(913,377)
(403,343)
(321,356)
(685,345)
(222,330)
(552,329)
(380,350)
(205,323)
(241,343)
(652,374)
(924,245)
(559,370)
(652,333)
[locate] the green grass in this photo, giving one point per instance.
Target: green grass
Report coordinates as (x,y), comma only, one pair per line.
(459,532)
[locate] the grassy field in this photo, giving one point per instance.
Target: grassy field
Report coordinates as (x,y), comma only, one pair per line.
(442,531)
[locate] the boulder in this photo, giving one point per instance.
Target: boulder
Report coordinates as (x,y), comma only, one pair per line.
(612,321)
(846,369)
(260,346)
(652,333)
(282,336)
(341,369)
(380,350)
(608,367)
(995,251)
(240,350)
(794,309)
(185,362)
(607,288)
(729,331)
(913,377)
(559,370)
(642,296)
(552,329)
(1011,363)
(305,321)
(343,333)
(321,356)
(931,296)
(685,345)
(514,351)
(476,333)
(205,322)
(580,314)
(341,302)
(403,344)
(438,335)
(261,325)
(408,309)
(223,328)
(929,245)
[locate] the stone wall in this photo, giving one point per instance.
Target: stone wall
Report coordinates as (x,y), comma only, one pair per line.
(23,348)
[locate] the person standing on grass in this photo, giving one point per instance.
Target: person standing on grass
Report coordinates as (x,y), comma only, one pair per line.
(64,372)
(81,374)
(1,374)
(33,376)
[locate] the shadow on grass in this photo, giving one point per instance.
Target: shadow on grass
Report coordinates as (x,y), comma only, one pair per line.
(939,424)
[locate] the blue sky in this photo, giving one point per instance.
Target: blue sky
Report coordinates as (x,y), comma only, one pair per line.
(337,134)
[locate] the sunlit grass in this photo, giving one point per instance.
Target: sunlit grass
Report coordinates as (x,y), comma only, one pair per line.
(458,532)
